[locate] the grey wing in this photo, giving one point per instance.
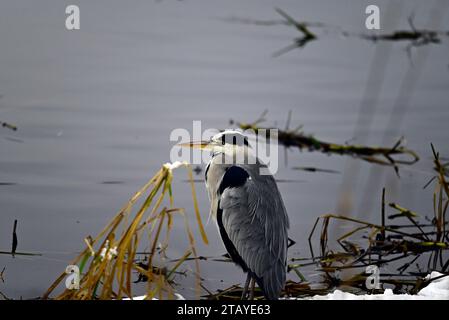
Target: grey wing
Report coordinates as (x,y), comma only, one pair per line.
(254,218)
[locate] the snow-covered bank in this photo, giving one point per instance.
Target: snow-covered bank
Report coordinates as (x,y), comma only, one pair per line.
(177,295)
(436,290)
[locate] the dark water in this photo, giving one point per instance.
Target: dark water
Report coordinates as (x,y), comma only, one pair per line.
(97,105)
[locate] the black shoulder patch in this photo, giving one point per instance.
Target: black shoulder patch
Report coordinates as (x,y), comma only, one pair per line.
(233,177)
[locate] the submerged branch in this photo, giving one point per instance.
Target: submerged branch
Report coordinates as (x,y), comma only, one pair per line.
(296,138)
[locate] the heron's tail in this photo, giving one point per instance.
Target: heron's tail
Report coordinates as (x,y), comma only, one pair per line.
(273,281)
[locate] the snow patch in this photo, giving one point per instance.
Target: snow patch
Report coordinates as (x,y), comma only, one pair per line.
(438,289)
(177,295)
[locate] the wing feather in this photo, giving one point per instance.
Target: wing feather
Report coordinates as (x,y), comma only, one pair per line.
(255,220)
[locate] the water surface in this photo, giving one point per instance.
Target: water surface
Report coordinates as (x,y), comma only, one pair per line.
(97,105)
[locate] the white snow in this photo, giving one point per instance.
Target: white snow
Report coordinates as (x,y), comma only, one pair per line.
(436,290)
(175,165)
(177,295)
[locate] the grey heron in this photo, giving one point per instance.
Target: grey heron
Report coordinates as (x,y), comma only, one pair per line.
(248,209)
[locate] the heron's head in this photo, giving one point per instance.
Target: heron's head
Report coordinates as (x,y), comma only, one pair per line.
(228,142)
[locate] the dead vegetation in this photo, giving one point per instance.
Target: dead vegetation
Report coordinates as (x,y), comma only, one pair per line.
(414,245)
(388,156)
(414,37)
(108,261)
(8,125)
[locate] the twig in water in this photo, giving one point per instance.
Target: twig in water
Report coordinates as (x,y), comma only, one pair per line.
(296,138)
(8,126)
(307,35)
(14,239)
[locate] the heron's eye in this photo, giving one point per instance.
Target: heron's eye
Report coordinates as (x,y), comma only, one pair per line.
(234,140)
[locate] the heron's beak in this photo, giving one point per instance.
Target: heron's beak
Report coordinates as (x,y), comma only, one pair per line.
(204,145)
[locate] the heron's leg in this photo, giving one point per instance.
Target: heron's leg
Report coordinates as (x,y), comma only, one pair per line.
(251,292)
(245,289)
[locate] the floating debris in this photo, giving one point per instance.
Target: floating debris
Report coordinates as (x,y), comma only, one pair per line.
(8,126)
(414,37)
(307,35)
(313,169)
(297,138)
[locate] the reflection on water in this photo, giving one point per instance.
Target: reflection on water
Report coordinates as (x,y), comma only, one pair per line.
(95,109)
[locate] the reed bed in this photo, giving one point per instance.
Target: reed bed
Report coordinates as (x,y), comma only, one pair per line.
(415,247)
(107,262)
